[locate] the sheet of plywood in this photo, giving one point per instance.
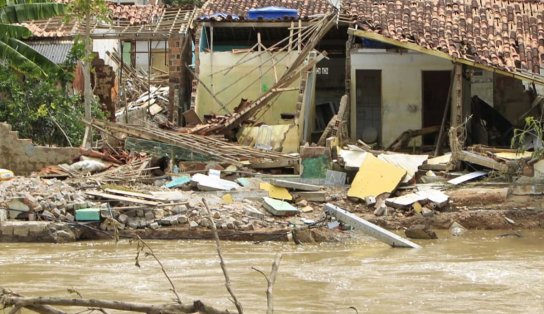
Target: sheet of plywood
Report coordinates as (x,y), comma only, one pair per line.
(276,191)
(375,177)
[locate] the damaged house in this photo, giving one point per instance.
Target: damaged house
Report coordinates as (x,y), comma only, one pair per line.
(411,69)
(153,43)
(411,59)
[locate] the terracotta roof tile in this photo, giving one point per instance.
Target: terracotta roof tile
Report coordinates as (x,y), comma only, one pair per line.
(125,14)
(507,34)
(306,8)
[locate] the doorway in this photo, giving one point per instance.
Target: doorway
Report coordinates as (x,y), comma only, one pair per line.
(436,85)
(368,102)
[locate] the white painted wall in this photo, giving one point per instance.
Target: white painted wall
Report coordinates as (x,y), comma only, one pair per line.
(481,85)
(142,52)
(102,45)
(401,87)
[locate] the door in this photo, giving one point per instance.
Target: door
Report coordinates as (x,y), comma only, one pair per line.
(368,101)
(436,85)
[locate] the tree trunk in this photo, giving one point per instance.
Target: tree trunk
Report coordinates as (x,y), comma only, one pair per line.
(88,92)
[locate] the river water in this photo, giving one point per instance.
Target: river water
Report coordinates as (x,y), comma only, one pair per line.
(477,273)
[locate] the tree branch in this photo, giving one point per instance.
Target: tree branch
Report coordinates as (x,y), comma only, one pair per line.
(222,261)
(271,280)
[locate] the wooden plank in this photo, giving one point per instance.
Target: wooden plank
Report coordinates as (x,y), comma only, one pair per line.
(135,194)
(369,228)
(295,185)
(482,161)
(121,198)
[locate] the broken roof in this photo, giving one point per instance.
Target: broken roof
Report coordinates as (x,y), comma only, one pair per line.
(225,9)
(508,35)
(121,15)
(131,22)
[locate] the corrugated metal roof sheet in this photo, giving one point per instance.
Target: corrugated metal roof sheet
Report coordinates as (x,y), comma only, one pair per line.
(53,50)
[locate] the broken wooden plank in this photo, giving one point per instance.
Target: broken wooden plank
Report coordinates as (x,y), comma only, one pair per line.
(135,194)
(467,177)
(121,198)
(369,228)
(295,185)
(474,158)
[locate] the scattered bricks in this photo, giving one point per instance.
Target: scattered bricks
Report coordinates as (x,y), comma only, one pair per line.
(231,226)
(56,212)
(182,219)
(216,215)
(132,223)
(149,215)
(302,203)
(158,213)
(122,218)
(193,224)
(69,217)
(140,213)
(180,209)
(169,221)
(154,225)
(47,215)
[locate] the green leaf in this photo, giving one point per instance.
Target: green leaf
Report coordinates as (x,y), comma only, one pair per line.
(19,62)
(45,64)
(19,13)
(13,31)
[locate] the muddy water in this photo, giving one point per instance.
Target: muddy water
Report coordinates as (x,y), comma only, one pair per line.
(478,273)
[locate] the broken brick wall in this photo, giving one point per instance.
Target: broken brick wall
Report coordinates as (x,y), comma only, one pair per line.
(22,157)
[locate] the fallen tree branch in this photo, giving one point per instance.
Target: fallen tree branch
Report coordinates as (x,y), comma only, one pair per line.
(222,261)
(271,280)
(43,305)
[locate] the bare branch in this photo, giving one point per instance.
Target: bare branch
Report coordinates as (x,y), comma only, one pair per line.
(270,280)
(222,261)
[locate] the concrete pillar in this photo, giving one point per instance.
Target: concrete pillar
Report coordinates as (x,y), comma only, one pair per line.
(457,96)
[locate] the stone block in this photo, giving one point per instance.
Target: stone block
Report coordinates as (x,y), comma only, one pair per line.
(20,231)
(6,229)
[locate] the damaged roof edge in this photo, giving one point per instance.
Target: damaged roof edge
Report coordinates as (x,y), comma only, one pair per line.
(415,47)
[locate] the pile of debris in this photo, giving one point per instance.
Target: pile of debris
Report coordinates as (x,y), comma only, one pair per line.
(38,199)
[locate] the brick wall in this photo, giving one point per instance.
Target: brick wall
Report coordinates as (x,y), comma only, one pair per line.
(22,157)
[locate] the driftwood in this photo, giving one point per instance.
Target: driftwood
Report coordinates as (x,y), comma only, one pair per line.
(44,305)
(271,280)
(222,261)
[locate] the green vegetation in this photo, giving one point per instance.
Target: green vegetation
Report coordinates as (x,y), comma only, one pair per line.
(44,110)
(184,3)
(18,55)
(533,131)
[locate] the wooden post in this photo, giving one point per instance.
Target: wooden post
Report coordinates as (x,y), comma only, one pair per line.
(457,96)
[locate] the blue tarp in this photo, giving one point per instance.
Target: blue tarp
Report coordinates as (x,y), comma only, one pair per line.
(272,13)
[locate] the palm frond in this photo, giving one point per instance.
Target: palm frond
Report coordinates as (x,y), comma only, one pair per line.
(19,62)
(45,64)
(18,13)
(13,31)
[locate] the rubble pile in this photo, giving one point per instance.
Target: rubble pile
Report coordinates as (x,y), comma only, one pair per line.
(38,199)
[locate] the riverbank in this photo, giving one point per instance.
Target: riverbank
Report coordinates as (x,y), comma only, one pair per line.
(240,215)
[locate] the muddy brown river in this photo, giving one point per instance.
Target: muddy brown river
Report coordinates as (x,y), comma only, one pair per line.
(477,273)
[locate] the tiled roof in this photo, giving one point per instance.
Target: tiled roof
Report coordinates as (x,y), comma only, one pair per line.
(123,15)
(306,8)
(505,34)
